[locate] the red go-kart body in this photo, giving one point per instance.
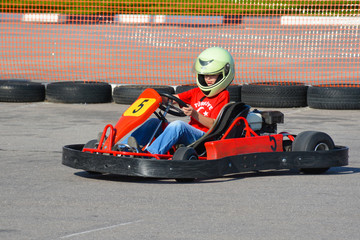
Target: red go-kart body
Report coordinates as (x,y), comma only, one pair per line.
(231,146)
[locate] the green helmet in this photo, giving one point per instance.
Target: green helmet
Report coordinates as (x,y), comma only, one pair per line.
(212,61)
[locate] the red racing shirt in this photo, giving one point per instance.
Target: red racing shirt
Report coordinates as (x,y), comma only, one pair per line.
(209,107)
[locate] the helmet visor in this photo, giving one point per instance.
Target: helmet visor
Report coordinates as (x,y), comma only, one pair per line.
(208,67)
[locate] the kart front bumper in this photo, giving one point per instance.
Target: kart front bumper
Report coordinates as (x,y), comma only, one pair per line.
(154,168)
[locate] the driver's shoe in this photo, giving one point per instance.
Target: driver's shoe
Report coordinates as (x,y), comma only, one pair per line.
(134,144)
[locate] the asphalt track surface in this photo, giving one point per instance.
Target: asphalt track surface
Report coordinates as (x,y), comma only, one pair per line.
(42,199)
(162,54)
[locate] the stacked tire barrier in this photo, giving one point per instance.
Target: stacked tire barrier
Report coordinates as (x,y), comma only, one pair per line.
(127,94)
(260,94)
(336,96)
(78,92)
(275,94)
(16,90)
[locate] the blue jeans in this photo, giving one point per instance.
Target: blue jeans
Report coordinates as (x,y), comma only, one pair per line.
(177,132)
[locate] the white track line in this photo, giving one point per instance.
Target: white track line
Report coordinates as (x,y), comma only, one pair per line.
(99,229)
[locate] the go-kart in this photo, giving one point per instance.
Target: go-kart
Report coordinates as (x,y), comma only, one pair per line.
(239,141)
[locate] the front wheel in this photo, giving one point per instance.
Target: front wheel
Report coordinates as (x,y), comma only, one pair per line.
(185,153)
(313,141)
(92,144)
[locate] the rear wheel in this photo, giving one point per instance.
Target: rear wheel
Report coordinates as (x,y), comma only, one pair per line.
(185,153)
(313,141)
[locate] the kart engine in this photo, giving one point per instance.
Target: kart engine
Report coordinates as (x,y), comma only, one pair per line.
(264,121)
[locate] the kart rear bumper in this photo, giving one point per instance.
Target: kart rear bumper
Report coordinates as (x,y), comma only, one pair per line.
(128,166)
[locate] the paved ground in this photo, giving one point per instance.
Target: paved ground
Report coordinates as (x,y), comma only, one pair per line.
(42,199)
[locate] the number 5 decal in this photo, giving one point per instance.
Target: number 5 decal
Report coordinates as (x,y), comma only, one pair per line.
(139,107)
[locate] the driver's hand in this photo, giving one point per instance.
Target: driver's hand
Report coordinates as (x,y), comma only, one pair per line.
(188,110)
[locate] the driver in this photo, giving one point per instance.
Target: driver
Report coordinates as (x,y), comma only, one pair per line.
(215,70)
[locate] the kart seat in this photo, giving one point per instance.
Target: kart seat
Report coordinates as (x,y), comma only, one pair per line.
(227,115)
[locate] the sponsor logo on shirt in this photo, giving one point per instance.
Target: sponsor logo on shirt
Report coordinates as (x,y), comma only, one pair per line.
(203,107)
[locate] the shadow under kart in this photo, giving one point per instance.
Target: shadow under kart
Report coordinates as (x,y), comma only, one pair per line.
(239,141)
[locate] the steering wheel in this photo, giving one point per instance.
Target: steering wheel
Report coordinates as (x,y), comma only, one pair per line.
(173,110)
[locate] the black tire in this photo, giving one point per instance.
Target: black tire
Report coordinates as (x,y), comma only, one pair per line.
(185,153)
(127,94)
(78,92)
(336,96)
(21,91)
(274,94)
(313,141)
(234,91)
(184,88)
(92,144)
